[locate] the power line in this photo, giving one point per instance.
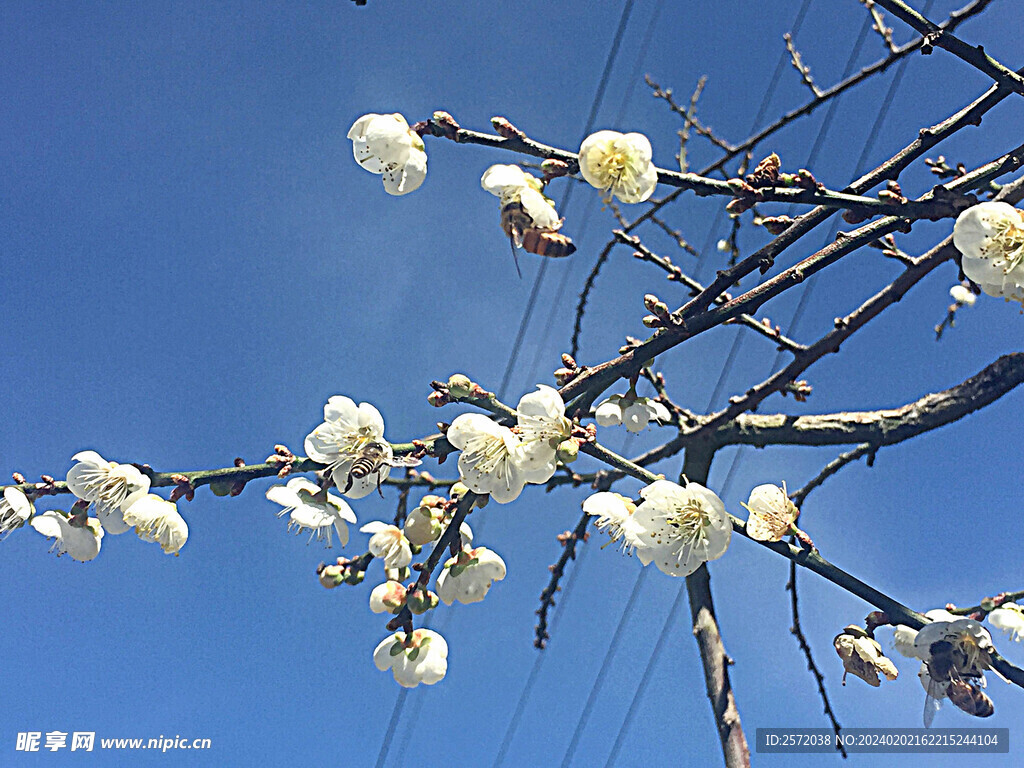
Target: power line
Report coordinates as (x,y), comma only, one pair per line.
(737,457)
(598,97)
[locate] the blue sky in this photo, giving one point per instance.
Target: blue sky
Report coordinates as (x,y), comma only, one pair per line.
(194,264)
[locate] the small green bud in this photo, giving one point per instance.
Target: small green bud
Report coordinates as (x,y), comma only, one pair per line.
(332,576)
(567,451)
(460,386)
(222,487)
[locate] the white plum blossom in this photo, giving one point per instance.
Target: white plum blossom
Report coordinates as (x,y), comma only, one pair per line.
(862,656)
(681,528)
(614,513)
(497,461)
(386,145)
(513,185)
(991,238)
(962,295)
(635,412)
(501,180)
(904,636)
(80,542)
(1009,617)
(423,658)
(619,164)
(468,576)
(542,426)
(313,508)
(346,431)
(487,463)
(15,510)
(105,484)
(772,514)
(388,597)
(969,639)
(388,543)
(156,519)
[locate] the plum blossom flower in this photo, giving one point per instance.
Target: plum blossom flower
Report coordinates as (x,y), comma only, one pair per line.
(619,164)
(501,180)
(862,656)
(496,460)
(341,440)
(15,509)
(681,528)
(388,543)
(614,513)
(772,514)
(488,462)
(962,295)
(81,542)
(420,658)
(512,185)
(156,519)
(1009,617)
(386,145)
(904,636)
(105,484)
(468,576)
(313,508)
(388,597)
(970,640)
(991,238)
(635,412)
(542,426)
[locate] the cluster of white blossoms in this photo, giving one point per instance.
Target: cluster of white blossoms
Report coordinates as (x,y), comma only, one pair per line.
(991,238)
(499,461)
(619,165)
(119,496)
(387,146)
(629,409)
(676,528)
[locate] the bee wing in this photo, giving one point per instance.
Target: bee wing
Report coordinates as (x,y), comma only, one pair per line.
(515,256)
(404,461)
(931,706)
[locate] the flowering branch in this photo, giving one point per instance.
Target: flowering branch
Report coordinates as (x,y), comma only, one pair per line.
(597,378)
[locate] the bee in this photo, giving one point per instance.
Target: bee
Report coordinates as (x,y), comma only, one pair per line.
(947,681)
(523,233)
(371,459)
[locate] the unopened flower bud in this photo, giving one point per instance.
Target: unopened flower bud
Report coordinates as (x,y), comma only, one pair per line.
(457,491)
(354,577)
(459,386)
(567,451)
(332,576)
(651,321)
(723,246)
(569,361)
(554,168)
(437,399)
(388,597)
(563,376)
(421,601)
(423,525)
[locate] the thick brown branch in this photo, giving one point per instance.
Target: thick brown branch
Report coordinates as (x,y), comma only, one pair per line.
(883,427)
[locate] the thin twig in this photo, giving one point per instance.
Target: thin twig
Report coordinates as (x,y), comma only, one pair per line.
(812,667)
(831,468)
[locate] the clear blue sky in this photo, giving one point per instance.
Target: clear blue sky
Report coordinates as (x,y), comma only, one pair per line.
(193,264)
